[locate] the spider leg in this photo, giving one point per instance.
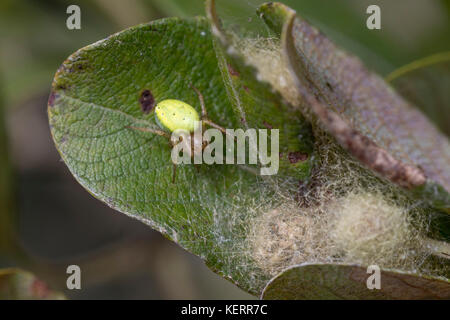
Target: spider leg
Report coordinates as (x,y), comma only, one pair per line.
(205,119)
(202,101)
(155,131)
(222,129)
(174,172)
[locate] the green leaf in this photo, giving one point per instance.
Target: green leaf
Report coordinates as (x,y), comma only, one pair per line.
(367,117)
(425,83)
(96,97)
(16,284)
(336,282)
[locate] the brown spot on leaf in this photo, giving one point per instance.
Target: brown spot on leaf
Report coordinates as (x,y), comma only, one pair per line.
(267,125)
(147,101)
(297,156)
(51,98)
(153,29)
(80,66)
(329,86)
(232,71)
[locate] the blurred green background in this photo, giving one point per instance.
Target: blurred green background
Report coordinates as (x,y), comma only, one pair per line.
(58,221)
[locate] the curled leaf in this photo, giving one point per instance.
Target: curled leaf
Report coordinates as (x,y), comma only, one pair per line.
(364,114)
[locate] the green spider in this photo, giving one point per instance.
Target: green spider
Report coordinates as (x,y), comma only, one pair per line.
(175,115)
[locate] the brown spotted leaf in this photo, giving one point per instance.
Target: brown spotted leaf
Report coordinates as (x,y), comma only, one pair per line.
(363,113)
